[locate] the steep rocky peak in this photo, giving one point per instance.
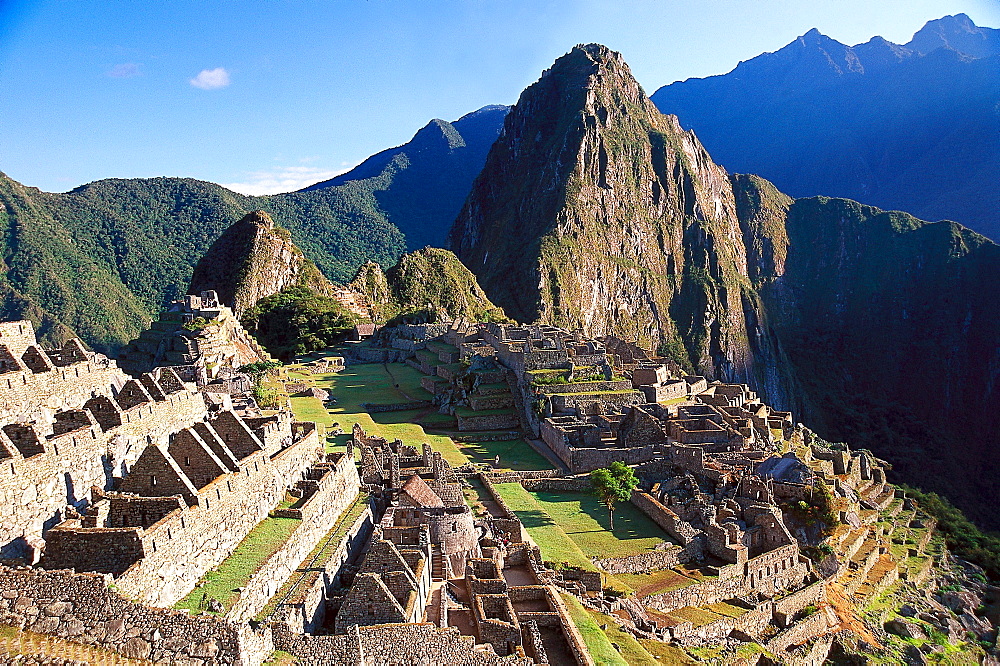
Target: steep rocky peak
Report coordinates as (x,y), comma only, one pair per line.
(257,218)
(254,259)
(959,33)
(595,211)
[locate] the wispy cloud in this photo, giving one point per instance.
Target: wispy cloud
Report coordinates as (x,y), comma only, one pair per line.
(282,179)
(211,79)
(125,70)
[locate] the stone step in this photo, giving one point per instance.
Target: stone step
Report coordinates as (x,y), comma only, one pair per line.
(883,574)
(885,498)
(850,545)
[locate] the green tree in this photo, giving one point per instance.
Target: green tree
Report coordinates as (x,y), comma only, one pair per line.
(298,321)
(613,484)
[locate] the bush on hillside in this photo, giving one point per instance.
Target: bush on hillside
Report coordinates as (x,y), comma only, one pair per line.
(298,321)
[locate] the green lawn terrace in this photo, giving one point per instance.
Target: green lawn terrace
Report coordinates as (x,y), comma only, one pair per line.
(365,384)
(487,405)
(581,390)
(330,552)
(573,529)
(224,583)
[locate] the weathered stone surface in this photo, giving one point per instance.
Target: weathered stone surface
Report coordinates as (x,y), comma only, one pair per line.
(906,629)
(136,648)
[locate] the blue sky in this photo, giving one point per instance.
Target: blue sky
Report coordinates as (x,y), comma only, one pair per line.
(271,95)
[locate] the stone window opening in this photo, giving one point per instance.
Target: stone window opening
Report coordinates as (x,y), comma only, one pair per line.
(152,480)
(187,461)
(218,494)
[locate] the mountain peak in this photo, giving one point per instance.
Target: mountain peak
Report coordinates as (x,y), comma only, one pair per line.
(959,33)
(586,161)
(251,260)
(257,218)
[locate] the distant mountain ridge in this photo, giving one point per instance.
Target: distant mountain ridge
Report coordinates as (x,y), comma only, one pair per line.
(422,184)
(912,127)
(101,260)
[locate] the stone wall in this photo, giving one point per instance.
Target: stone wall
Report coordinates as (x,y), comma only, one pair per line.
(580,459)
(337,490)
(182,547)
(304,607)
(671,523)
(518,476)
(81,608)
(601,403)
(582,387)
(62,470)
(786,607)
(650,560)
(767,574)
(800,632)
(559,484)
(394,406)
(421,643)
(487,422)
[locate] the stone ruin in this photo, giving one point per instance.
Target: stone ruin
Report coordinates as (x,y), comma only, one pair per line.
(202,340)
(431,559)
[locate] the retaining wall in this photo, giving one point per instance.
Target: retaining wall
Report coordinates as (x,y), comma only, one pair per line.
(337,490)
(81,608)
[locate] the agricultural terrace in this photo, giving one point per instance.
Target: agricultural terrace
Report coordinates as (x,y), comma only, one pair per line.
(387,383)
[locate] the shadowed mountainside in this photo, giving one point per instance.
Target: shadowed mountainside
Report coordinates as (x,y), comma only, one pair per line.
(914,127)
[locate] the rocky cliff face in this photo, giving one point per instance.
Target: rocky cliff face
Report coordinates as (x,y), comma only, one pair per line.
(428,282)
(595,211)
(254,259)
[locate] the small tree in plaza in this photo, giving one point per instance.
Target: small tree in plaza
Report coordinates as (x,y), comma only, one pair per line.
(613,484)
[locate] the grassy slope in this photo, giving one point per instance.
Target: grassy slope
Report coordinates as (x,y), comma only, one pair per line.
(234,572)
(585,520)
(597,641)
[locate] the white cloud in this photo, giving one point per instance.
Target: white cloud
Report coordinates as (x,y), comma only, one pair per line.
(282,179)
(211,79)
(126,70)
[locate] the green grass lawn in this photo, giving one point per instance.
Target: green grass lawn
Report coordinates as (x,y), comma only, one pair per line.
(696,616)
(585,520)
(234,572)
(638,652)
(515,454)
(600,647)
(325,548)
(657,582)
(373,383)
(555,544)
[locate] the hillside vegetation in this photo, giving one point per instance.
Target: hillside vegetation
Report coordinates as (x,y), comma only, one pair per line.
(423,285)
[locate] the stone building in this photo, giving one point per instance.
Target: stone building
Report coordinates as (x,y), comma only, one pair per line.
(201,339)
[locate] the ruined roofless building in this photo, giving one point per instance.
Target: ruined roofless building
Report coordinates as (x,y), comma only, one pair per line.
(199,337)
(100,471)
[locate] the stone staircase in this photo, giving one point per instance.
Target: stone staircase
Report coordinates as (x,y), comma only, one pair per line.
(438,571)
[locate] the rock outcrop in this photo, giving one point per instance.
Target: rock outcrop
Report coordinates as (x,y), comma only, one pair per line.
(595,211)
(254,259)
